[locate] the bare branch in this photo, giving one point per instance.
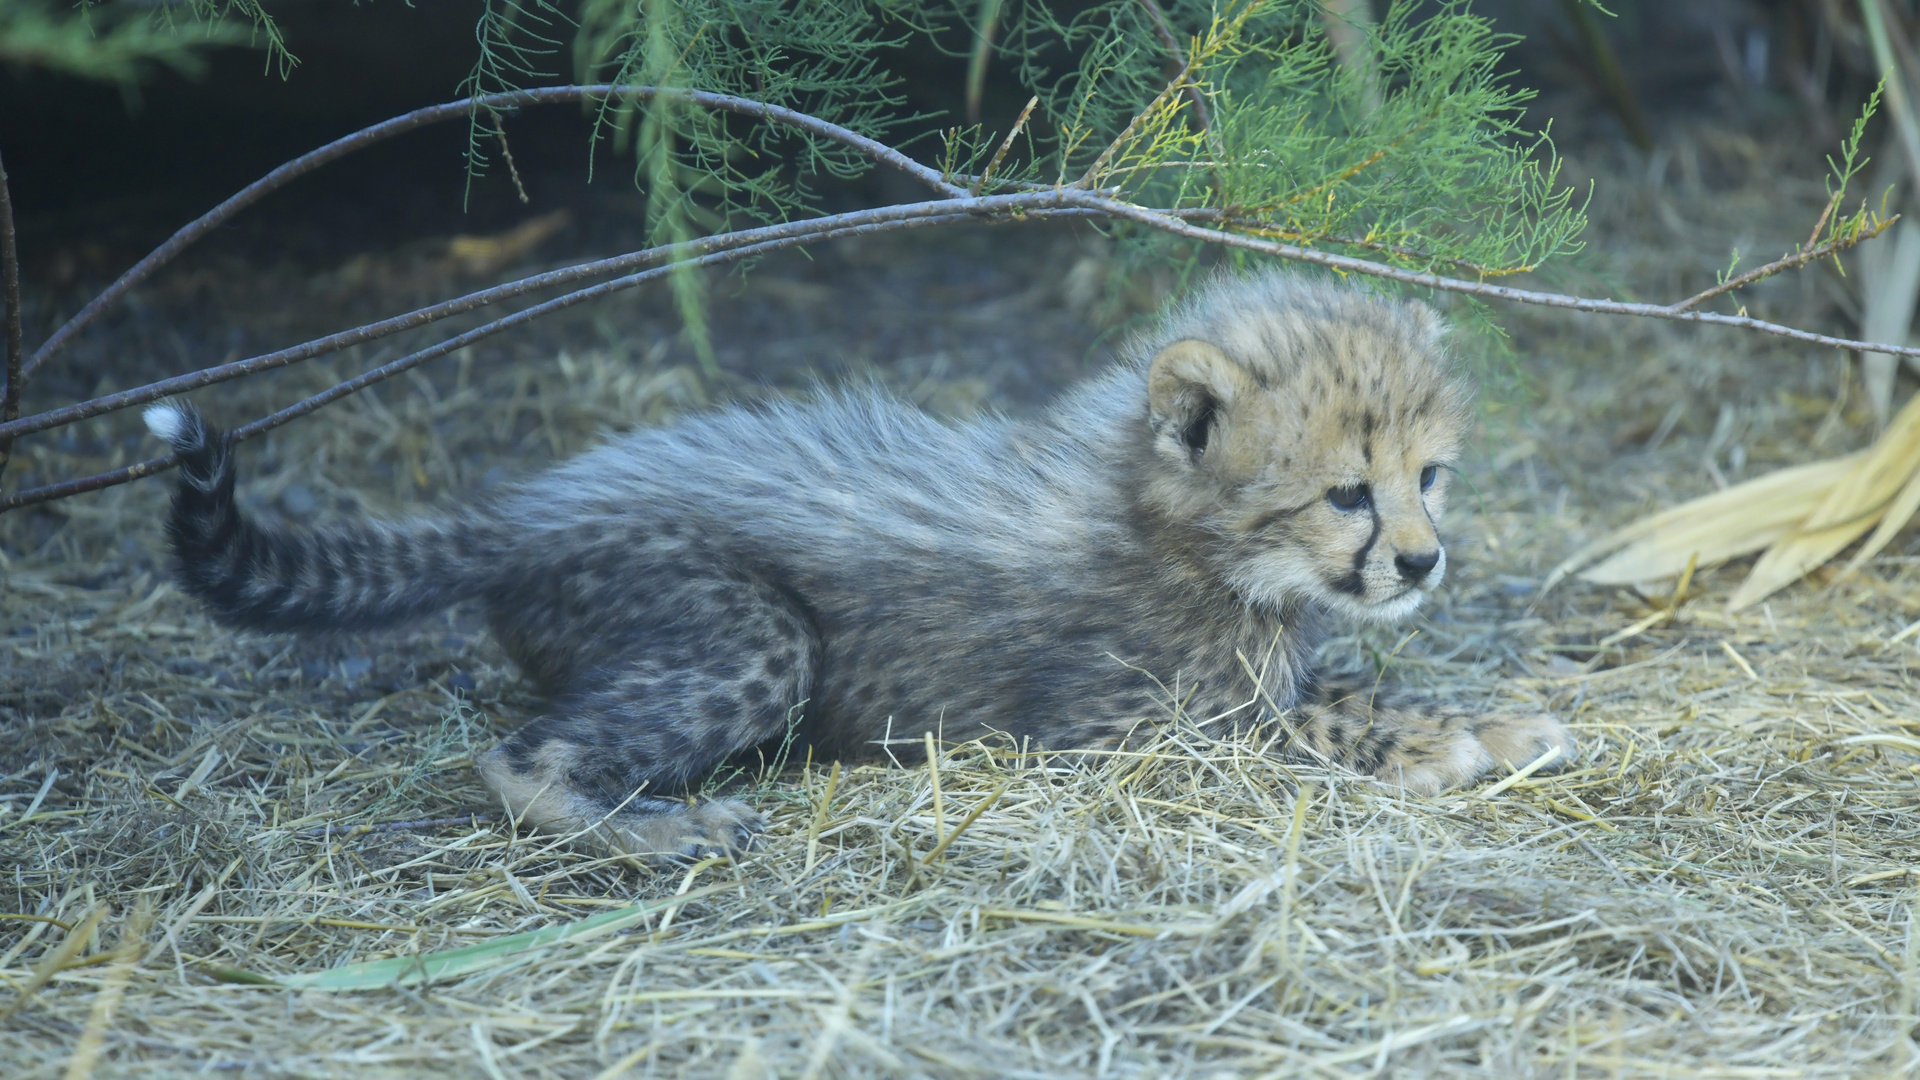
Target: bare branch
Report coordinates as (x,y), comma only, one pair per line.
(1833,203)
(452,110)
(1006,144)
(334,393)
(141,395)
(506,152)
(1167,222)
(1178,57)
(218,216)
(1789,262)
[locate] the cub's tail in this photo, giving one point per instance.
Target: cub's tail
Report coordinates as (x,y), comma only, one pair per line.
(354,575)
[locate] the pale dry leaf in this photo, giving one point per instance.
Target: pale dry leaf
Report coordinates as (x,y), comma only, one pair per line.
(1793,558)
(1889,462)
(1726,524)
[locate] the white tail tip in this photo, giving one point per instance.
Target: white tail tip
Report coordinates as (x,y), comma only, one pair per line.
(166,420)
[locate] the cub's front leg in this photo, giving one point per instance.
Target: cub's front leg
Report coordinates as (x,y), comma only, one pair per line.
(1422,746)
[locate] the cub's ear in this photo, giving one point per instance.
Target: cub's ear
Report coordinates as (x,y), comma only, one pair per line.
(1430,330)
(1191,386)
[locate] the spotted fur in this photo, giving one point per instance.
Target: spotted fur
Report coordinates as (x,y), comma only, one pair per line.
(1277,452)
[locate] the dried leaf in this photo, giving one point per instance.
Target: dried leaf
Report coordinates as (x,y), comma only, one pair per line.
(1791,559)
(1890,461)
(1898,513)
(1717,527)
(481,255)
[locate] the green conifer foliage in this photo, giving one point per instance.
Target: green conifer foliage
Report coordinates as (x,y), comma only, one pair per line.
(121,43)
(1238,113)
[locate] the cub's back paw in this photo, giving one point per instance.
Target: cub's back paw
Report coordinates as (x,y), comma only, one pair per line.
(685,834)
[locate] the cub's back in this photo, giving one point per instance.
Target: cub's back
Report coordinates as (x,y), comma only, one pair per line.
(838,485)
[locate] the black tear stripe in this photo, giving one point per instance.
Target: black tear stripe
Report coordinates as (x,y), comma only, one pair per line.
(1355,582)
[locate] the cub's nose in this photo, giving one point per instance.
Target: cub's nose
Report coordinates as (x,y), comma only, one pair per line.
(1415,568)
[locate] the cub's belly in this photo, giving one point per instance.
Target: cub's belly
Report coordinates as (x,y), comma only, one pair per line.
(882,688)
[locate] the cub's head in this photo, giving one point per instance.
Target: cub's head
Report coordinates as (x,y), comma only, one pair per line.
(1307,432)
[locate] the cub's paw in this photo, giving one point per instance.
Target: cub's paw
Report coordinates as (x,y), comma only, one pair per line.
(686,834)
(1451,755)
(1429,762)
(1516,741)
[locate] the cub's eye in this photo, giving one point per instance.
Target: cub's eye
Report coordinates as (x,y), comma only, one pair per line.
(1351,497)
(1428,475)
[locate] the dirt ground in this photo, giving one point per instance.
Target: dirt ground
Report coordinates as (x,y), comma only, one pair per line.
(1724,887)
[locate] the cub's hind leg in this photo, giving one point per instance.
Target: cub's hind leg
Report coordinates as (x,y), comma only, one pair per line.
(1423,746)
(715,667)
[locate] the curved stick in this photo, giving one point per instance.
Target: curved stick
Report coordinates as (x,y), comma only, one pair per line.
(334,393)
(989,206)
(386,129)
(218,216)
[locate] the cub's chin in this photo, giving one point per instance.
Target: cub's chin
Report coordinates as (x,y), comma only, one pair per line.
(1384,613)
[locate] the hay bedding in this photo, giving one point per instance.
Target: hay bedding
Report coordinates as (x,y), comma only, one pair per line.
(1723,888)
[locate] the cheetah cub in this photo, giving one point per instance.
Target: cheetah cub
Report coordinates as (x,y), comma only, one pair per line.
(1275,455)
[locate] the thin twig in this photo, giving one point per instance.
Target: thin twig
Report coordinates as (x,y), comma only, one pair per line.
(1179,61)
(154,391)
(1168,222)
(1005,145)
(10,296)
(1826,212)
(1202,118)
(500,132)
(386,129)
(239,201)
(150,466)
(1092,175)
(1787,262)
